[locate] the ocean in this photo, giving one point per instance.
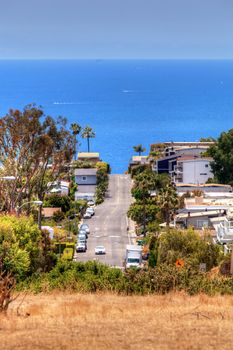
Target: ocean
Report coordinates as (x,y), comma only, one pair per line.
(126,102)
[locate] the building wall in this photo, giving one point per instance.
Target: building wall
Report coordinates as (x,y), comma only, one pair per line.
(196,172)
(85,179)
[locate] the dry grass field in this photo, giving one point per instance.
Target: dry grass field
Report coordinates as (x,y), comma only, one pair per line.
(75,321)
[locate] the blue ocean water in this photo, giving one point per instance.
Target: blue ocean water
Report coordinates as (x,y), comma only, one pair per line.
(127,102)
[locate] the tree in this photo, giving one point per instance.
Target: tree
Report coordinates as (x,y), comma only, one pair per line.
(168,201)
(76,129)
(207,139)
(188,246)
(139,149)
(222,154)
(34,148)
(88,133)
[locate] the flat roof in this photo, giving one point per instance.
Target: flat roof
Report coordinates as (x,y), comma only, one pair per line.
(193,158)
(138,158)
(88,155)
(200,213)
(85,171)
(201,185)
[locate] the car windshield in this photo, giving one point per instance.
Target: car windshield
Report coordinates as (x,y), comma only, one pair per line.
(133,261)
(100,247)
(84,226)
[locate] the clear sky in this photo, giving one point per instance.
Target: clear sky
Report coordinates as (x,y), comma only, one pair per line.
(116,29)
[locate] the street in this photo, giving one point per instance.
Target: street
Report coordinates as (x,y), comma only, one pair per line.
(108,227)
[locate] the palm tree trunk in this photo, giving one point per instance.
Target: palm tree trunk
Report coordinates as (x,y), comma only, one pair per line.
(88,144)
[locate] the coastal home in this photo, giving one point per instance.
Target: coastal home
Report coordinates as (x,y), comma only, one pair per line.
(86,179)
(90,157)
(48,212)
(137,161)
(198,220)
(184,161)
(59,187)
(192,170)
(195,204)
(209,190)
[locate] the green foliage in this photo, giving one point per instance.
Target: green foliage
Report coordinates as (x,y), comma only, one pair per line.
(139,149)
(58,216)
(153,249)
(140,213)
(68,254)
(31,143)
(57,201)
(187,245)
(168,201)
(207,139)
(20,245)
(221,151)
(96,277)
(102,182)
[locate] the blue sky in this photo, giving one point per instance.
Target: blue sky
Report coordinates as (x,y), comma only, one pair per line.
(116,29)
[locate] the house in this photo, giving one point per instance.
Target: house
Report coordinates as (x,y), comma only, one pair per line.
(198,220)
(48,212)
(210,190)
(184,161)
(192,170)
(92,157)
(196,204)
(138,160)
(59,187)
(86,179)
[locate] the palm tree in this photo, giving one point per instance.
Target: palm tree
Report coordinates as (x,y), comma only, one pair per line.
(88,133)
(168,201)
(139,149)
(76,128)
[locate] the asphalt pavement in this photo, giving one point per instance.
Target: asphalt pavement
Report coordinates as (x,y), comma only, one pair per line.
(108,227)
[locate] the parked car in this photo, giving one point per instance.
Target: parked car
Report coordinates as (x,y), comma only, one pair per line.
(87,215)
(91,211)
(84,227)
(100,250)
(82,232)
(90,203)
(82,240)
(81,247)
(82,237)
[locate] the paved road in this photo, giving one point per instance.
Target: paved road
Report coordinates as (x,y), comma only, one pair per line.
(108,226)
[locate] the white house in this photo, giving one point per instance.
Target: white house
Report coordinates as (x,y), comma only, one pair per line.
(192,170)
(86,180)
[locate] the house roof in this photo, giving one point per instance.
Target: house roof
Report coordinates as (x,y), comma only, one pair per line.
(139,158)
(199,214)
(88,155)
(86,188)
(184,158)
(85,171)
(201,185)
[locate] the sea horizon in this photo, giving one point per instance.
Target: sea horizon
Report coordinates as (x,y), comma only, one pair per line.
(126,101)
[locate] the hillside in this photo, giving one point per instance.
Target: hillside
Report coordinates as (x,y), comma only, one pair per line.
(75,321)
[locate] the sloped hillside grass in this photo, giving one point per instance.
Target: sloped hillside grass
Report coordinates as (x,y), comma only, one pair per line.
(106,321)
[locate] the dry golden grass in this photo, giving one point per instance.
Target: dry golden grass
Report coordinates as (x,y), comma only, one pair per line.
(103,321)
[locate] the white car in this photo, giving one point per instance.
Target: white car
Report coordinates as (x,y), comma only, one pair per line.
(84,227)
(81,247)
(91,211)
(100,250)
(90,203)
(87,215)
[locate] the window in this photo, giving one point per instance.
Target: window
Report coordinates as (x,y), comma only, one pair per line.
(207,165)
(203,173)
(202,223)
(84,178)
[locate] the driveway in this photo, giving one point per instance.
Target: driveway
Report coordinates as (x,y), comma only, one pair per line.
(108,226)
